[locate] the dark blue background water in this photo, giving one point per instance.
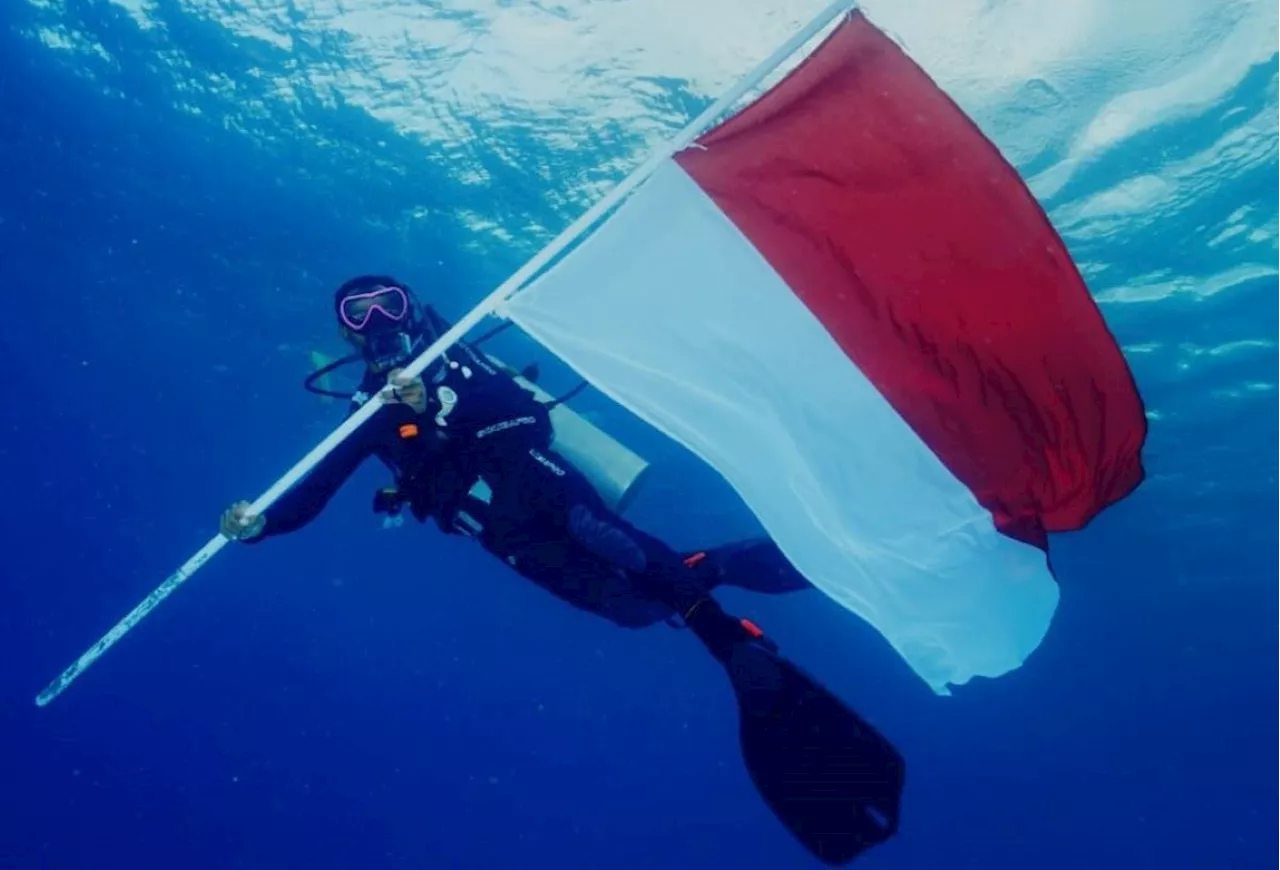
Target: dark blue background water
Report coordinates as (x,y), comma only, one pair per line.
(354,697)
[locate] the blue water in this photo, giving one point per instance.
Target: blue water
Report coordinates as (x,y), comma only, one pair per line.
(181,185)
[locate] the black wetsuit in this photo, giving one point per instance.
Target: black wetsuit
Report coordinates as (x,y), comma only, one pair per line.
(482,465)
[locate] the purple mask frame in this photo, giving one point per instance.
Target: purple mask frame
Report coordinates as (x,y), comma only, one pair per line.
(363,321)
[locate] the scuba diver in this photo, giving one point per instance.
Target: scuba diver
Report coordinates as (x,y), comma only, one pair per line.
(472,449)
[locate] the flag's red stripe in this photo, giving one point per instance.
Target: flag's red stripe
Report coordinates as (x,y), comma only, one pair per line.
(925,256)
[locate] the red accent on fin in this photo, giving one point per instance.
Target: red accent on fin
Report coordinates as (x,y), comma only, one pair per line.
(693,560)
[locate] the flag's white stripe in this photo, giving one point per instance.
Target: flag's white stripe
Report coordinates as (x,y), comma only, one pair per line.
(670,310)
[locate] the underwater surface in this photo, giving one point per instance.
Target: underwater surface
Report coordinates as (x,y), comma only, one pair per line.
(184,182)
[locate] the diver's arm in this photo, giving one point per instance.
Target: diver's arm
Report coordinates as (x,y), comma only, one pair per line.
(304,502)
(308,498)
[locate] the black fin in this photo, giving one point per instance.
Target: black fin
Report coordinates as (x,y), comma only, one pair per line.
(829,777)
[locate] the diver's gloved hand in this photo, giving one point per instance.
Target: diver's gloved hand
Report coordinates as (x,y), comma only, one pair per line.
(406,391)
(240,525)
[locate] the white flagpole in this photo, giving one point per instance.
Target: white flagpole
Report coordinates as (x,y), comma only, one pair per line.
(486,307)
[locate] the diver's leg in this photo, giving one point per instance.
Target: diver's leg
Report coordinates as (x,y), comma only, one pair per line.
(756,565)
(539,494)
(547,522)
(831,779)
(661,574)
(541,499)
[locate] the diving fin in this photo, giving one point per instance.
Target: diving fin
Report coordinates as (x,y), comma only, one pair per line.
(832,780)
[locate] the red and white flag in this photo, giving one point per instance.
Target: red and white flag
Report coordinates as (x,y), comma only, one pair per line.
(848,303)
